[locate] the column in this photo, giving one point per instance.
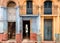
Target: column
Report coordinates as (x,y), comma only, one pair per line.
(1,23)
(34,28)
(18,34)
(42,28)
(54,28)
(5,22)
(17,21)
(57,28)
(38,32)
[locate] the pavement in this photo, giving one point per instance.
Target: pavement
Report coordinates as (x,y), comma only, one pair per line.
(27,41)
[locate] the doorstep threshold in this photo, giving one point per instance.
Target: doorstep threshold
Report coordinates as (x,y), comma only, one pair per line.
(11,40)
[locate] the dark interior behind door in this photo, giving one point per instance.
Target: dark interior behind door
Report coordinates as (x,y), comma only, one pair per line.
(11,30)
(26,35)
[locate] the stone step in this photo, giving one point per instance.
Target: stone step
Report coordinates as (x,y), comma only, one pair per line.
(48,42)
(28,41)
(9,41)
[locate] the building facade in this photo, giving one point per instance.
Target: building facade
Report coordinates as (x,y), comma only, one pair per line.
(36,20)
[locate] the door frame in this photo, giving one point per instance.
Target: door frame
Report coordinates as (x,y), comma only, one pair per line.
(15,30)
(22,28)
(52,30)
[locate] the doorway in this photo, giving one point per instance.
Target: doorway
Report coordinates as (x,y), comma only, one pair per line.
(48,29)
(26,29)
(11,30)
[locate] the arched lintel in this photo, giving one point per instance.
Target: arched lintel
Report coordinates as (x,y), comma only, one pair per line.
(15,1)
(48,1)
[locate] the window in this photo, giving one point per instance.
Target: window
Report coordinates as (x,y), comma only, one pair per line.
(47,7)
(29,7)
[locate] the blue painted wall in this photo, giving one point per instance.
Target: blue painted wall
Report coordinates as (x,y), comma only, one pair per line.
(5,19)
(17,21)
(4,27)
(33,25)
(2,17)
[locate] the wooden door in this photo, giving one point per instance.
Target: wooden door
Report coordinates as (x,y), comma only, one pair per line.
(47,29)
(11,30)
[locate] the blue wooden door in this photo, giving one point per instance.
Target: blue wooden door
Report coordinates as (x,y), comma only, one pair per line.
(48,29)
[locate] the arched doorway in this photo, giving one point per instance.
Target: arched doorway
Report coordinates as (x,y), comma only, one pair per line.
(11,12)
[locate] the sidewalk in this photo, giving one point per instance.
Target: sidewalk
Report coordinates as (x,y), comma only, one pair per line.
(28,41)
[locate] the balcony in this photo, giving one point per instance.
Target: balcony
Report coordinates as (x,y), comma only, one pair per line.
(34,11)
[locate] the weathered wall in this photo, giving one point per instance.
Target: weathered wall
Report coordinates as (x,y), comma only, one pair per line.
(55,15)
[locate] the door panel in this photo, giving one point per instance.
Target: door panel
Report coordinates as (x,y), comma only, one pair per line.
(47,29)
(11,30)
